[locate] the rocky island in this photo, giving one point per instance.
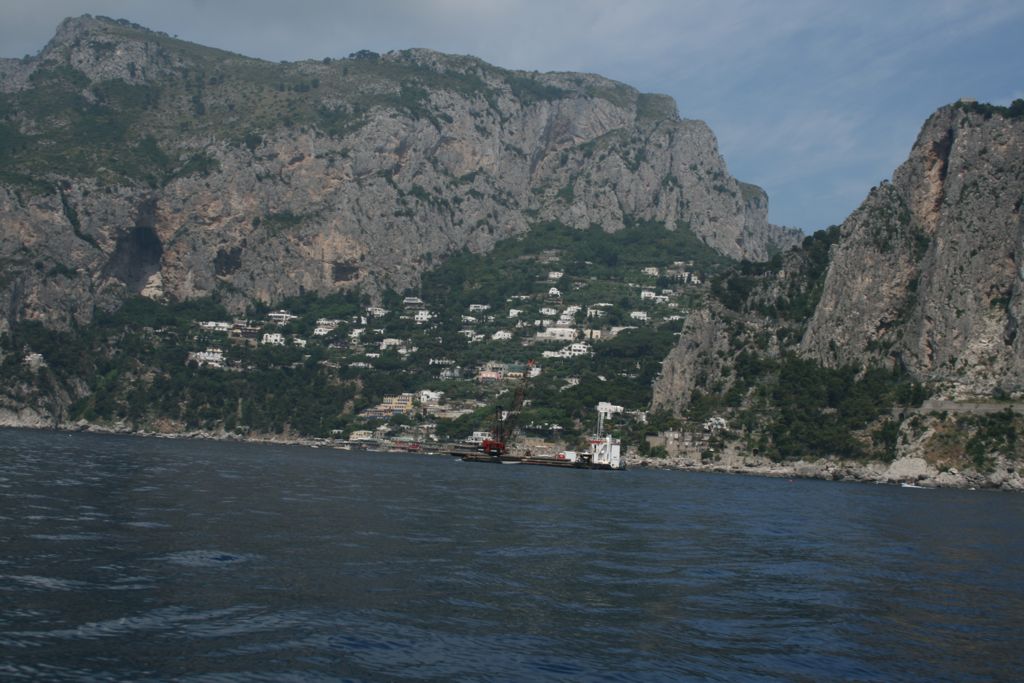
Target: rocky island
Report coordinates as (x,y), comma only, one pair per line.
(198,242)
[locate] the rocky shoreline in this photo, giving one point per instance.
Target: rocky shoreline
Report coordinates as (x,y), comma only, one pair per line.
(904,470)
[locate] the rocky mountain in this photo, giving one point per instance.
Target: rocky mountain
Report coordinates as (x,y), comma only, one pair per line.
(894,335)
(930,269)
(135,163)
(925,276)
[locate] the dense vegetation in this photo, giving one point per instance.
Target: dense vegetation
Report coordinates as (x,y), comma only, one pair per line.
(133,362)
(1014,111)
(736,287)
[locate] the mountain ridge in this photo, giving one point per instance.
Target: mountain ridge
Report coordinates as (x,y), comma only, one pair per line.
(891,336)
(217,174)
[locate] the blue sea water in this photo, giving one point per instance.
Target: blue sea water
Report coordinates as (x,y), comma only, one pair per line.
(139,559)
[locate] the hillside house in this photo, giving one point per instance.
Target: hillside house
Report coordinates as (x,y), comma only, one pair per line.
(241,330)
(453,372)
(391,405)
(215,326)
(556,333)
(361,435)
(715,424)
(501,335)
(273,338)
(412,303)
(571,351)
(479,308)
(211,357)
(492,372)
(281,317)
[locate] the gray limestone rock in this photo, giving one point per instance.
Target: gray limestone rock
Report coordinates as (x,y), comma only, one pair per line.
(254,181)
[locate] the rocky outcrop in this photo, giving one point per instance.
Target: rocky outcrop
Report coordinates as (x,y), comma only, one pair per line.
(184,171)
(906,470)
(696,362)
(831,349)
(928,274)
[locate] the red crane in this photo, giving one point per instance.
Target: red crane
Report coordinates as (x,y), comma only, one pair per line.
(505,421)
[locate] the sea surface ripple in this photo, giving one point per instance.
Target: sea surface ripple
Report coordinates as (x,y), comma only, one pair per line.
(151,559)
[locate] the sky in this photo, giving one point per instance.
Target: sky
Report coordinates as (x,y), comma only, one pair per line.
(816,101)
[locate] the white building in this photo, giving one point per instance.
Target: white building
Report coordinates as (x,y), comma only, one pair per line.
(651,270)
(555,275)
(430,397)
(501,335)
(376,312)
(514,312)
(281,317)
(578,349)
(479,308)
(646,294)
(608,409)
(571,351)
(299,341)
(547,310)
(554,293)
(639,315)
(215,326)
(211,357)
(423,316)
(715,424)
(274,338)
(390,343)
(557,334)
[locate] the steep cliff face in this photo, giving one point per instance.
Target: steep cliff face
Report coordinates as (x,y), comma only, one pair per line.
(925,277)
(136,163)
(851,346)
(928,272)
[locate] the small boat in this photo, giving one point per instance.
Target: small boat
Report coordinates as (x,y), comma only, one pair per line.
(913,486)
